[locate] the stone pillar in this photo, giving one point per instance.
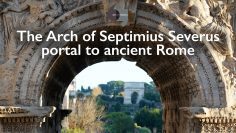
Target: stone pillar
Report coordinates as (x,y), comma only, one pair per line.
(212,120)
(1,41)
(23,119)
(64,115)
(232,10)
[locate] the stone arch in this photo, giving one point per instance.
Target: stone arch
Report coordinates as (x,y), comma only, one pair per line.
(95,20)
(197,79)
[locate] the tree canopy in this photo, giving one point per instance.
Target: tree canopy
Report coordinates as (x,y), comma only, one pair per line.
(151,118)
(152,96)
(112,87)
(119,122)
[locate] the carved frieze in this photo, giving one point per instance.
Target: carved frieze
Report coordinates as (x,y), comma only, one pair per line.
(23,119)
(120,12)
(35,15)
(211,120)
(11,110)
(206,113)
(210,17)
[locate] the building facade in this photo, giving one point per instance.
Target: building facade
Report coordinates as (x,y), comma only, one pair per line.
(132,87)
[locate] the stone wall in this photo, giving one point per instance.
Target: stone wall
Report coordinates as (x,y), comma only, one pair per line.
(194,89)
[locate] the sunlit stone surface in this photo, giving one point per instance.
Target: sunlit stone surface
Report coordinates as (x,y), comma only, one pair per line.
(198,91)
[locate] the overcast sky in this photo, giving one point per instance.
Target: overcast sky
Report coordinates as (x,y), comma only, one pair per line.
(106,71)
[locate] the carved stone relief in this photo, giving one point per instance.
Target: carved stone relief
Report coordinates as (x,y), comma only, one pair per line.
(2,48)
(23,119)
(35,15)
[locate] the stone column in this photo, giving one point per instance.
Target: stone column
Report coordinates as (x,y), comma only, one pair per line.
(233,14)
(23,119)
(212,120)
(1,41)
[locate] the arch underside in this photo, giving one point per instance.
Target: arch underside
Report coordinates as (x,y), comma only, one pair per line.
(184,81)
(94,20)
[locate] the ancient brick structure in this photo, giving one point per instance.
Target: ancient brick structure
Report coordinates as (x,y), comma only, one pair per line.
(198,92)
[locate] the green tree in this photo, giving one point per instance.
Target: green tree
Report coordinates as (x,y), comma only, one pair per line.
(134,97)
(151,118)
(82,89)
(139,129)
(119,122)
(152,96)
(105,98)
(112,87)
(105,89)
(117,107)
(148,86)
(146,103)
(152,84)
(116,86)
(144,130)
(119,99)
(79,94)
(89,88)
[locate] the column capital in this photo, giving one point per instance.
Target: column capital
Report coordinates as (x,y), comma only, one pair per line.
(212,119)
(203,113)
(23,118)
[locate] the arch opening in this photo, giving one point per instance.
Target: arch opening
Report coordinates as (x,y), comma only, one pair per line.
(174,75)
(119,87)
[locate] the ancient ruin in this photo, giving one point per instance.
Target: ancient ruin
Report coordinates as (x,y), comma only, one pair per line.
(204,85)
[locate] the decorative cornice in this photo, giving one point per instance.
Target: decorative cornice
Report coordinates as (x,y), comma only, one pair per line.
(11,110)
(25,114)
(210,115)
(22,120)
(217,120)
